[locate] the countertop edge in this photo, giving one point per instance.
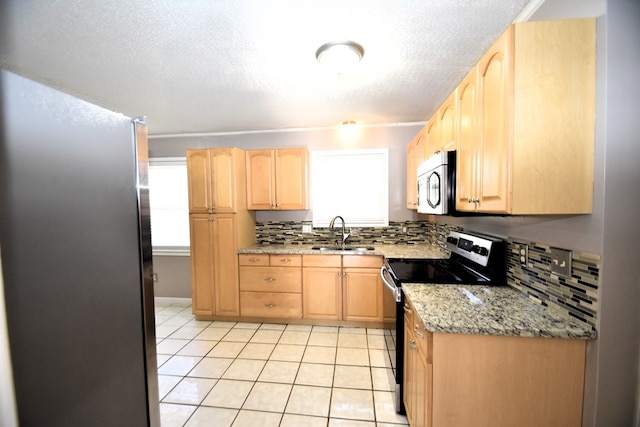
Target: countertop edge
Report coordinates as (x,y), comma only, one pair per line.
(458,316)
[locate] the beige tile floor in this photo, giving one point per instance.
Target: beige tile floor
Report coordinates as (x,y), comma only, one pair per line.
(227,374)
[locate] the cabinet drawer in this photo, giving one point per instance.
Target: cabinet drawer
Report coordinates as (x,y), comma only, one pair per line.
(365,261)
(271,304)
(271,279)
(253,259)
(321,260)
(285,260)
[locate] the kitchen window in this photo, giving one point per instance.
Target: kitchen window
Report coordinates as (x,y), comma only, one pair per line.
(169,204)
(353,184)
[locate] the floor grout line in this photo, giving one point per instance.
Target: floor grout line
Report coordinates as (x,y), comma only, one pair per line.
(174,316)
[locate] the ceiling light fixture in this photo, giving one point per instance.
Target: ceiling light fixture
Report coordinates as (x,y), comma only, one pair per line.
(339,56)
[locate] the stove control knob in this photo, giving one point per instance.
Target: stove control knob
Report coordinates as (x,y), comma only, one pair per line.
(452,240)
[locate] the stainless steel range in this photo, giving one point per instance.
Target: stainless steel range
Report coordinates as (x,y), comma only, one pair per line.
(475,259)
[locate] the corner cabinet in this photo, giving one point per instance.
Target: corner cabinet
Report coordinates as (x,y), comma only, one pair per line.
(278,179)
(533,148)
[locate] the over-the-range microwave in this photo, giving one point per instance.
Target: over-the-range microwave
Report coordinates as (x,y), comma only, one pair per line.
(437,184)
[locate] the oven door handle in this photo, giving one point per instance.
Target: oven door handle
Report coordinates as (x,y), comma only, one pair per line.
(384,273)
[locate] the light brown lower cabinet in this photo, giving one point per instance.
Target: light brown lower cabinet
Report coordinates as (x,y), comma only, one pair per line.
(337,287)
(270,286)
(482,380)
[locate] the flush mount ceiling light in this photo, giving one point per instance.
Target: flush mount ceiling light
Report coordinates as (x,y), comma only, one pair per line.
(339,56)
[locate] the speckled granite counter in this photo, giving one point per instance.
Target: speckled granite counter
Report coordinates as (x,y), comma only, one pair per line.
(499,311)
(388,251)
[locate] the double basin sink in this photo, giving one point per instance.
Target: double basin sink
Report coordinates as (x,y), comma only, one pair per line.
(343,248)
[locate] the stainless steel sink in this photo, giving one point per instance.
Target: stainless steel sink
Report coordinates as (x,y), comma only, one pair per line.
(346,248)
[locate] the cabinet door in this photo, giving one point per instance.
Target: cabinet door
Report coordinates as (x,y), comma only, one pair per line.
(433,137)
(225,265)
(199,176)
(408,381)
(322,298)
(362,294)
(421,389)
(223,163)
(260,179)
(469,143)
(202,266)
(291,178)
(495,80)
(448,124)
(412,176)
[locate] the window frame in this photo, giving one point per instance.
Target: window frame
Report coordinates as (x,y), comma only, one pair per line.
(170,250)
(324,177)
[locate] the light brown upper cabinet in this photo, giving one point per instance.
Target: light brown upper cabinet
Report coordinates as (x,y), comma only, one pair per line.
(216,180)
(448,116)
(278,179)
(432,130)
(532,151)
(469,144)
(415,156)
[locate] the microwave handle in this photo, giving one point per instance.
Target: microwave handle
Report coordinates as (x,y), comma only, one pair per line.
(389,284)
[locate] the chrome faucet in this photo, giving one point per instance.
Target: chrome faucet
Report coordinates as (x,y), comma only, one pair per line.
(345,233)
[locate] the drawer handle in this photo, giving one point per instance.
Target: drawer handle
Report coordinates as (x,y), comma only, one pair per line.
(418,333)
(270,305)
(285,260)
(412,344)
(406,310)
(254,259)
(269,279)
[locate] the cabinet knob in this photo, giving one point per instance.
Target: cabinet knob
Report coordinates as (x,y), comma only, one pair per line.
(211,219)
(417,332)
(412,344)
(406,310)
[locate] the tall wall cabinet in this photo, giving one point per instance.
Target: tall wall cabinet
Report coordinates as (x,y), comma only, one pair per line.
(219,224)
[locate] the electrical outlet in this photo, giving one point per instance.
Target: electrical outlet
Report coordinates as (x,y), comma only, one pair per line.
(523,254)
(561,262)
(306,227)
(155,277)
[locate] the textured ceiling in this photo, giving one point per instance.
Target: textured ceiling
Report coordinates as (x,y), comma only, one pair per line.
(239,65)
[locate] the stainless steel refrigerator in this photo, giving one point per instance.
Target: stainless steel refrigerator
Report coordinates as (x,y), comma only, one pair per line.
(76,260)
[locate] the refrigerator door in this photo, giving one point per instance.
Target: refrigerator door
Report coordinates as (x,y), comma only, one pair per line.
(75,260)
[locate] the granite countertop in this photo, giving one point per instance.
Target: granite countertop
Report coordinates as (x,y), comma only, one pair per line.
(499,310)
(388,251)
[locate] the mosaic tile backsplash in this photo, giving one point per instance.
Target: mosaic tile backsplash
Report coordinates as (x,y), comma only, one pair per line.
(289,232)
(575,297)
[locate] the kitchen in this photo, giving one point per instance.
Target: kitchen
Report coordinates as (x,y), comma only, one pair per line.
(609,391)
